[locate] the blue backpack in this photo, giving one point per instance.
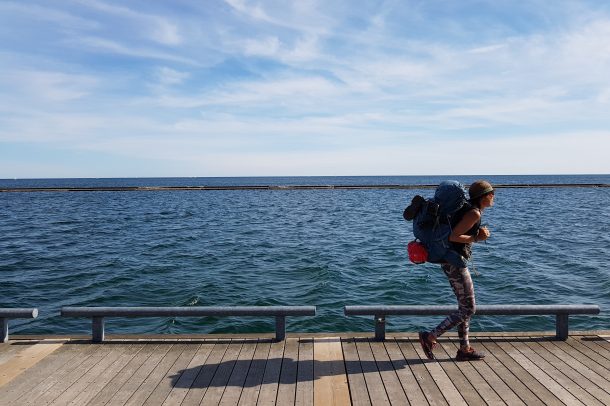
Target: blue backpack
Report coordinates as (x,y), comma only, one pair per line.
(434,218)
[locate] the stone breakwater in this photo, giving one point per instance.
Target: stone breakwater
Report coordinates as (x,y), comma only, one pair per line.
(284,187)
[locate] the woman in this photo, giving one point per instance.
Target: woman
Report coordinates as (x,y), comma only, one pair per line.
(468,230)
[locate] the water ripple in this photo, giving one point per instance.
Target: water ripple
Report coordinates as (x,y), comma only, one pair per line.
(327,248)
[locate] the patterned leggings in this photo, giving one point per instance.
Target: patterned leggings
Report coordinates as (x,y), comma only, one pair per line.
(460,281)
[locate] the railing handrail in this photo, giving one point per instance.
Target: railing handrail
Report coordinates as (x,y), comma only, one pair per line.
(561,311)
(18,313)
(7,313)
(480,309)
(97,314)
(187,311)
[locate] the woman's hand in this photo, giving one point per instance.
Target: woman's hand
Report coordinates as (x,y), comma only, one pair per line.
(483,234)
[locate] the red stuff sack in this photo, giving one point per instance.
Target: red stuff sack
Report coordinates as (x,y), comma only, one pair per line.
(417,252)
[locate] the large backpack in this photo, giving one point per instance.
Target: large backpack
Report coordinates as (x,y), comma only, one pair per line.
(434,218)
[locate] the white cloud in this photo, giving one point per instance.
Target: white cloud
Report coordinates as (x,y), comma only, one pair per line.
(262,47)
(255,12)
(48,85)
(284,91)
(106,45)
(168,76)
(41,13)
(486,49)
(155,28)
(304,49)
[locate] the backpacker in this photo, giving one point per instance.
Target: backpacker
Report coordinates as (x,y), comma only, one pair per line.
(434,218)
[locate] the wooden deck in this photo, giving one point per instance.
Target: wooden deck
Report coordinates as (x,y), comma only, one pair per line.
(520,369)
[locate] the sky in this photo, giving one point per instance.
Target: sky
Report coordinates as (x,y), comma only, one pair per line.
(100,88)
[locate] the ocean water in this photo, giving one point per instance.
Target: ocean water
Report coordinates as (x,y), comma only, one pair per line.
(327,248)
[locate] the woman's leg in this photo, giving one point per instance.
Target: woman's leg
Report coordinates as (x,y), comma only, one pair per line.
(461,282)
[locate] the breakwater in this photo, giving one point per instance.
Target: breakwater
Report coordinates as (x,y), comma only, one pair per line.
(285,187)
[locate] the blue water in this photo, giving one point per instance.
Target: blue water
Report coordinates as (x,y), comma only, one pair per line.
(328,248)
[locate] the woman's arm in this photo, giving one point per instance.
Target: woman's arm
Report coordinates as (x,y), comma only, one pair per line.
(458,234)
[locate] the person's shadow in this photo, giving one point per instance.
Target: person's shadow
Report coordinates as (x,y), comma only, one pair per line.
(282,370)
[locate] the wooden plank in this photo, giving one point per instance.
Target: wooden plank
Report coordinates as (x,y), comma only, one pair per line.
(304,392)
(78,387)
(602,341)
(355,376)
(24,383)
(394,390)
(593,357)
(131,367)
(330,379)
(372,377)
(223,373)
(128,353)
(574,371)
(159,374)
(63,381)
(539,374)
(58,374)
(482,379)
(560,375)
(421,373)
(493,358)
(8,350)
(133,383)
(173,374)
(271,377)
(27,358)
(601,356)
(601,374)
(237,379)
(486,369)
(288,378)
(451,394)
(187,378)
(406,377)
(541,392)
(444,353)
(206,374)
(254,379)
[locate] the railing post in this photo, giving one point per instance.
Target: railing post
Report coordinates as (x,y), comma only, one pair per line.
(3,330)
(97,329)
(561,326)
(280,327)
(379,327)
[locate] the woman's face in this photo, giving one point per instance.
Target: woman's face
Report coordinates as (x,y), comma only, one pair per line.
(488,200)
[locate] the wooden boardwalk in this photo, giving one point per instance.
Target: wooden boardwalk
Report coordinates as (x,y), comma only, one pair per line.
(520,369)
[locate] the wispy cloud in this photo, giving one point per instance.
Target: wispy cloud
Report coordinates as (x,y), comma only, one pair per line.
(154,27)
(36,12)
(49,85)
(94,44)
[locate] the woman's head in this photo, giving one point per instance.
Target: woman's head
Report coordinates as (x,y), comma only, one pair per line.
(481,194)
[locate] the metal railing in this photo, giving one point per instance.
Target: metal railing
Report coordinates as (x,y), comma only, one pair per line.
(97,314)
(8,313)
(560,311)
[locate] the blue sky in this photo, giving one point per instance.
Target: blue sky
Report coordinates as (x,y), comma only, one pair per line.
(100,88)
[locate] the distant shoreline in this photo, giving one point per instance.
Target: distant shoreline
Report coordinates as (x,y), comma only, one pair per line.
(283,187)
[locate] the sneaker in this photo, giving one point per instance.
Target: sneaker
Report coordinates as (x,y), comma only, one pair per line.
(427,343)
(469,355)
